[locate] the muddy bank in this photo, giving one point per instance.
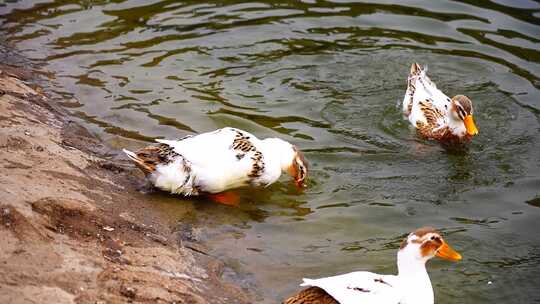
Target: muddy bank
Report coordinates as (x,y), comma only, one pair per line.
(73,227)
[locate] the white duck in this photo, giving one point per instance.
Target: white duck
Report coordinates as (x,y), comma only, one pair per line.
(411,286)
(434,114)
(213,162)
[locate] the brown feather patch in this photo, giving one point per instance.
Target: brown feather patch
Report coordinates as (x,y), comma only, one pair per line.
(149,157)
(443,135)
(465,102)
(415,71)
(258,165)
(301,165)
(428,248)
(431,129)
(243,145)
(311,295)
(420,232)
(431,113)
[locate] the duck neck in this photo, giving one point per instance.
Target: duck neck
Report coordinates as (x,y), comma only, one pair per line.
(414,278)
(457,127)
(281,152)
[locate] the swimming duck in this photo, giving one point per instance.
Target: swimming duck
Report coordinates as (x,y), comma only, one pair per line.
(212,163)
(434,114)
(410,286)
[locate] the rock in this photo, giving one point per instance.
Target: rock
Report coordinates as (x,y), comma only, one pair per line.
(67,206)
(128,292)
(157,238)
(62,198)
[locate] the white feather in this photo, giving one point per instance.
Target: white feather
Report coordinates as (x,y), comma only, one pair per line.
(174,177)
(215,166)
(425,89)
(411,286)
(359,287)
(130,154)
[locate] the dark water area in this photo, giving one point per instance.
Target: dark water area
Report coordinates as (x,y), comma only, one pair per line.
(327,76)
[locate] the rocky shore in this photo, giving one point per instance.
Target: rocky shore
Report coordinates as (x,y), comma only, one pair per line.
(73,227)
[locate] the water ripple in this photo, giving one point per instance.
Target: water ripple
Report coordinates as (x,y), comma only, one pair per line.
(325,75)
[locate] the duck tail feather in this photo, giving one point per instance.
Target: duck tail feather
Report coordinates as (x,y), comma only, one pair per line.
(146,167)
(417,70)
(130,154)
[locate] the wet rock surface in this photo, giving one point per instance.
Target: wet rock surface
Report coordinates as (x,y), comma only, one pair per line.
(72,225)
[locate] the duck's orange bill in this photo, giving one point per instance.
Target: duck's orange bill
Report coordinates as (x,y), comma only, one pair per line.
(470,126)
(446,252)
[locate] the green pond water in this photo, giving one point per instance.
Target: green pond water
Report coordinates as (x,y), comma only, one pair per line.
(327,76)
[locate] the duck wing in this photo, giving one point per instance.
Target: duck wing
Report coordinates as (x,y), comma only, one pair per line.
(424,104)
(223,159)
(359,287)
(311,295)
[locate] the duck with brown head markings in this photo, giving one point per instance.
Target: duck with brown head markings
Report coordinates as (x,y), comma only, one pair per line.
(410,286)
(215,162)
(462,113)
(434,114)
(299,168)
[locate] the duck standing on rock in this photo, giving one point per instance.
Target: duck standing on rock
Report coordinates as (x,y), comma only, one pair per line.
(211,163)
(410,286)
(434,114)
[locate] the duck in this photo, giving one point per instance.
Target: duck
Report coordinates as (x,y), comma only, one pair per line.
(410,286)
(435,115)
(213,163)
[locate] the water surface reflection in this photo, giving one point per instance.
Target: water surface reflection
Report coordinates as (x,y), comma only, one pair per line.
(326,75)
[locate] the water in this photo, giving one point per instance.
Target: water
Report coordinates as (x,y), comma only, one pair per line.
(326,76)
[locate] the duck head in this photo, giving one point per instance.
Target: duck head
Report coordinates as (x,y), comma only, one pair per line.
(292,160)
(298,169)
(461,113)
(422,245)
